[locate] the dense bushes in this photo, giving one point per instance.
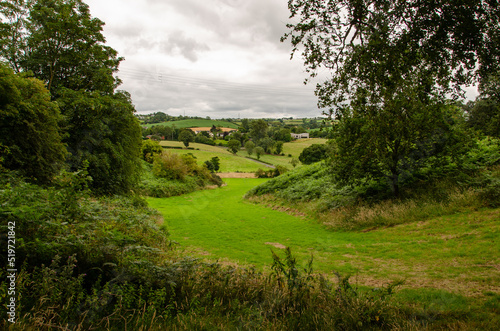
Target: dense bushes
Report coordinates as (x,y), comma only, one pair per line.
(30,136)
(473,181)
(277,171)
(171,175)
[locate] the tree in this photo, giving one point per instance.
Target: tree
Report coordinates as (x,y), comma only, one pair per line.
(213,164)
(249,147)
(313,153)
(259,151)
(158,117)
(233,146)
(484,113)
(294,162)
(245,125)
(30,136)
(162,131)
(267,143)
(216,162)
(150,149)
(186,136)
(279,147)
(283,134)
(61,44)
(258,129)
(103,131)
(392,65)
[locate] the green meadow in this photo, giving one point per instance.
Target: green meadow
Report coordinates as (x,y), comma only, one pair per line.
(456,253)
(241,162)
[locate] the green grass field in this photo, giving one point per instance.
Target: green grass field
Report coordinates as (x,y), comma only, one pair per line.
(296,147)
(240,162)
(191,123)
(456,253)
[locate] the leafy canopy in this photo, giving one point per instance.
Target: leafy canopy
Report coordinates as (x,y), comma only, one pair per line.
(30,136)
(62,45)
(392,64)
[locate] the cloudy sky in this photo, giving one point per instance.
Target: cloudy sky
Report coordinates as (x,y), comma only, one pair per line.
(217,58)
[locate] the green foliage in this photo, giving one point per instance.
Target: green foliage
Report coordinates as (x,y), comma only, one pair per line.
(305,183)
(175,175)
(62,45)
(259,151)
(182,122)
(103,131)
(29,130)
(279,147)
(484,154)
(117,263)
(267,144)
(313,154)
(150,149)
(249,147)
(186,136)
(380,144)
(233,146)
(391,72)
(201,138)
(484,113)
(279,170)
(213,164)
(170,166)
(258,129)
(283,134)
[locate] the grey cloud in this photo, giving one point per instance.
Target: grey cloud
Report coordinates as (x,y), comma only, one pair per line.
(186,46)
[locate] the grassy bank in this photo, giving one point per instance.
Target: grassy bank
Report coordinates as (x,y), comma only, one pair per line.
(448,264)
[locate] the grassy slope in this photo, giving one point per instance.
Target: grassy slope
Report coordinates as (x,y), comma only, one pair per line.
(195,123)
(240,162)
(296,147)
(228,162)
(457,253)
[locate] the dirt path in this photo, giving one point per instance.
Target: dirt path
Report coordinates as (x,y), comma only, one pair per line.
(260,162)
(236,175)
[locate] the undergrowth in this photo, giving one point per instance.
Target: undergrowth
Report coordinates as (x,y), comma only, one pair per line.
(87,263)
(158,187)
(430,192)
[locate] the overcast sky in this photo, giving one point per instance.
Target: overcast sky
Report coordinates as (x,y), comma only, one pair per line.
(217,58)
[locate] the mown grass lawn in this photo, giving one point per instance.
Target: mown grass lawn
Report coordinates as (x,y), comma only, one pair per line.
(457,253)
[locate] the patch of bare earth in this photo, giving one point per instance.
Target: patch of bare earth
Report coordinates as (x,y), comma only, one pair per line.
(236,175)
(277,245)
(474,283)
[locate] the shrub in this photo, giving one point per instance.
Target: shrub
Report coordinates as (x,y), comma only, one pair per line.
(170,166)
(313,153)
(150,149)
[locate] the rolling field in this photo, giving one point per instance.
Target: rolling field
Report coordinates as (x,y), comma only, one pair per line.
(457,253)
(296,147)
(228,162)
(240,162)
(192,123)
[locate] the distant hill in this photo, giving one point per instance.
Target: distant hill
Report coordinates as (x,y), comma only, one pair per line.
(192,123)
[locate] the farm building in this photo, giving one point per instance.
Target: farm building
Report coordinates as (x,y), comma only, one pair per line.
(300,135)
(222,132)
